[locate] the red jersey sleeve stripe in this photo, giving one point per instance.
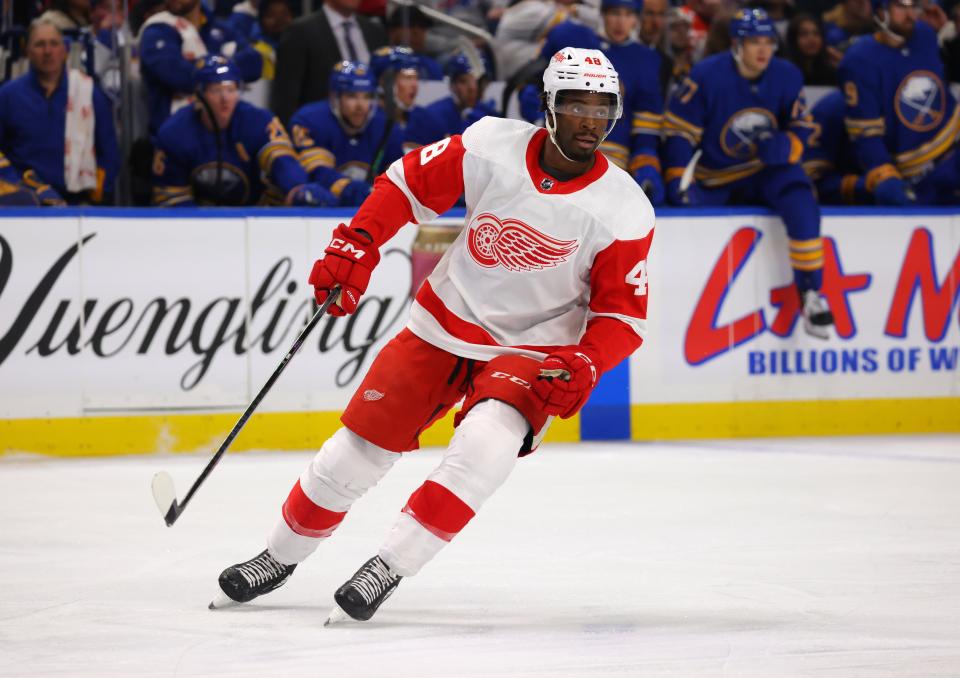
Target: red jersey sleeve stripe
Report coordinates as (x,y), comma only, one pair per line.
(431,177)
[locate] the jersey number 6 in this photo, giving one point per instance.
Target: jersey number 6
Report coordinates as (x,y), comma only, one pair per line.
(638,276)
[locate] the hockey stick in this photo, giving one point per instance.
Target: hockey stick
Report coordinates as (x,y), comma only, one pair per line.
(163,491)
(687,177)
(217,131)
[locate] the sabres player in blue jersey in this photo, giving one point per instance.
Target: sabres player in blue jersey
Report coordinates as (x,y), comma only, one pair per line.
(345,141)
(745,110)
(396,72)
(633,144)
(453,114)
(828,157)
(230,154)
(900,115)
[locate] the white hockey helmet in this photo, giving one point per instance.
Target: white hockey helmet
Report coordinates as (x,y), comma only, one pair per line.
(583,70)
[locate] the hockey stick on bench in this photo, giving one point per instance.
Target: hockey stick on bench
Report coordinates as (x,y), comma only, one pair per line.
(163,491)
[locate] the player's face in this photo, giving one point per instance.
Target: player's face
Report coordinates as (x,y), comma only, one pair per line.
(618,23)
(652,20)
(223,98)
(405,87)
(46,51)
(355,107)
(581,122)
(809,40)
(466,90)
(901,19)
(757,52)
(679,36)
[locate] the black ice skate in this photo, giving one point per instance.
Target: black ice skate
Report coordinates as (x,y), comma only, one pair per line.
(816,315)
(243,582)
(365,592)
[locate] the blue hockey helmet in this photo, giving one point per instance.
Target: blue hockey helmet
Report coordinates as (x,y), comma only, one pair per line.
(213,69)
(460,64)
(751,23)
(635,5)
(569,34)
(392,59)
(351,76)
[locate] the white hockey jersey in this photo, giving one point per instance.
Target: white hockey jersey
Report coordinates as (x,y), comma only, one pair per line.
(539,259)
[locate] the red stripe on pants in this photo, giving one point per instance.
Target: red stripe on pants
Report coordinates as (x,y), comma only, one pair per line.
(306,518)
(439,510)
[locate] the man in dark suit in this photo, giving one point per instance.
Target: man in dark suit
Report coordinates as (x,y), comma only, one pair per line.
(311,47)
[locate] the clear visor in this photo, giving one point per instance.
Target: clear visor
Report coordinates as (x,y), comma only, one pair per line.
(582,110)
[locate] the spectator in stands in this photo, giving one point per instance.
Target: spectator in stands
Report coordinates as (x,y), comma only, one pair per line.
(68,15)
(56,126)
(313,45)
(652,32)
(346,141)
(634,141)
(396,72)
(829,159)
(453,114)
(275,18)
(524,25)
(223,151)
(679,43)
(170,44)
(843,24)
(408,26)
(808,52)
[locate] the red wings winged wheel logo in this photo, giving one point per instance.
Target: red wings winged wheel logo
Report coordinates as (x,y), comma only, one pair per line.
(514,245)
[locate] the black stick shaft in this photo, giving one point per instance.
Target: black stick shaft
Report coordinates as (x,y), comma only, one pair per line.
(333,296)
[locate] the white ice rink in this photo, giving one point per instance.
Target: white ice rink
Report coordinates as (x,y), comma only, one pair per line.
(836,557)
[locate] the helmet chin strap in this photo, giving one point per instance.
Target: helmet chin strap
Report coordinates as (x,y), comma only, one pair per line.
(884,25)
(738,53)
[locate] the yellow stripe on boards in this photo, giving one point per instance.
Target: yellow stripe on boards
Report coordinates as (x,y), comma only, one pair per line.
(677,421)
(146,434)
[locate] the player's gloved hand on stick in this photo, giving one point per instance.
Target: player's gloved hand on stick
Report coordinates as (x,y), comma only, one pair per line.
(693,197)
(348,262)
(773,148)
(893,191)
(566,379)
(312,195)
(354,193)
(649,179)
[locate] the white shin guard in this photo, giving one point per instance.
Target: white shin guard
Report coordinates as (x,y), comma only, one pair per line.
(341,472)
(479,459)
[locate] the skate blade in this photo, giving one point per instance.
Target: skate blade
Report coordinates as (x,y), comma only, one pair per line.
(221,601)
(336,616)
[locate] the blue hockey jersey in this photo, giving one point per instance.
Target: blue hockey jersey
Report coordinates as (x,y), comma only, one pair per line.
(900,114)
(725,114)
(259,163)
(333,158)
(166,72)
(635,139)
(443,119)
(828,158)
(33,130)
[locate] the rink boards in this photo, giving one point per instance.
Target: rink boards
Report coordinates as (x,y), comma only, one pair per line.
(130,331)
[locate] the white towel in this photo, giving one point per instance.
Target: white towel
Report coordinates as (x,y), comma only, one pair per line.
(191,47)
(79,156)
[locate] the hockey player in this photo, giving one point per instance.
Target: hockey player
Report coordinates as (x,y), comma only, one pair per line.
(453,114)
(339,139)
(901,116)
(396,73)
(634,142)
(745,110)
(828,158)
(218,156)
(546,290)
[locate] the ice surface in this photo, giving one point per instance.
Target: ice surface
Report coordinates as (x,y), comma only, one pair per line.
(832,557)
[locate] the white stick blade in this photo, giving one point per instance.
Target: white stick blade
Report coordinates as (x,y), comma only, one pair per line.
(165,495)
(687,177)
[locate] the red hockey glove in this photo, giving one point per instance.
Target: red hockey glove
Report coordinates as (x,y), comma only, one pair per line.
(348,261)
(566,379)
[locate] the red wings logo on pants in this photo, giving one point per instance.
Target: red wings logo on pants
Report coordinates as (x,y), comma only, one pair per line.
(514,245)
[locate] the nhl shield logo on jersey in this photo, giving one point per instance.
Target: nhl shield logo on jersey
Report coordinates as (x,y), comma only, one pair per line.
(739,135)
(514,245)
(920,102)
(546,184)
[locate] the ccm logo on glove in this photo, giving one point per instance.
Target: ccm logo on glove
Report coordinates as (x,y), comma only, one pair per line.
(346,248)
